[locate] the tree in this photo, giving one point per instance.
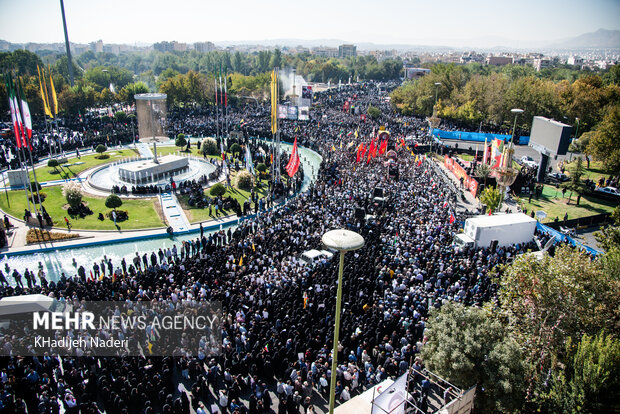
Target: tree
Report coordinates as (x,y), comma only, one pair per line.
(605,141)
(217,190)
(180,141)
(113,201)
(209,147)
(576,170)
(245,180)
(53,163)
(609,239)
(483,171)
(491,198)
(120,116)
(546,302)
(101,149)
(235,149)
(262,168)
(72,191)
(374,112)
(589,380)
(468,347)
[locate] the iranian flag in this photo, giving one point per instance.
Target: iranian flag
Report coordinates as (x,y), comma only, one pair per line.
(26,113)
(15,118)
(293,162)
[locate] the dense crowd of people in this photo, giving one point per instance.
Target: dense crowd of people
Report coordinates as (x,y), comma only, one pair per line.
(278,311)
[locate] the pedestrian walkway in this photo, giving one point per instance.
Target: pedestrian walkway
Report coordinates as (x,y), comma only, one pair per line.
(174,213)
(144,150)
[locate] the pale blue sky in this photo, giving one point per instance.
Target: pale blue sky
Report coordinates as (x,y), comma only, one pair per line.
(385,21)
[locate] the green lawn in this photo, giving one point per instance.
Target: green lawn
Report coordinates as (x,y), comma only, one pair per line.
(142,213)
(594,173)
(46,173)
(552,203)
(195,215)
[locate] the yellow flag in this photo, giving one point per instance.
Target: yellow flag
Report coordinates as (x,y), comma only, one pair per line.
(274,102)
(333,148)
(416,158)
(46,108)
(253,248)
(412,154)
(241,261)
(55,99)
(357,133)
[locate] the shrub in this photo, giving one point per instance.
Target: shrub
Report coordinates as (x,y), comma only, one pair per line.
(121,215)
(374,112)
(72,192)
(113,201)
(235,148)
(38,235)
(262,168)
(180,141)
(245,180)
(53,163)
(209,146)
(100,149)
(217,190)
(35,186)
(121,116)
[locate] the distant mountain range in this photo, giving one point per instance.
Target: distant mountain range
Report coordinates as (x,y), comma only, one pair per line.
(601,39)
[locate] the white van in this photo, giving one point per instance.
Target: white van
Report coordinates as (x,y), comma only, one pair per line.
(16,307)
(313,256)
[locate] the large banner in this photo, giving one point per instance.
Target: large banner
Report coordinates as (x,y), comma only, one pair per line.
(306,96)
(304,113)
(392,400)
(282,111)
(292,113)
(470,183)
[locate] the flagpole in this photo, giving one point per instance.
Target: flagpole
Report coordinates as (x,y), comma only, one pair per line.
(25,138)
(226,101)
(217,115)
(19,157)
(16,129)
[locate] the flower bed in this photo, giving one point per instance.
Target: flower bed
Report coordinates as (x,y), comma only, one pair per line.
(38,236)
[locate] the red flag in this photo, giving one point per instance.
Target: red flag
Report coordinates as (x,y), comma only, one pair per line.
(372,149)
(416,145)
(383,147)
(359,153)
(420,163)
(445,204)
(490,212)
(293,162)
(452,219)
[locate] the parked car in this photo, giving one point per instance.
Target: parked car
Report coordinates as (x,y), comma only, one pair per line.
(609,190)
(560,177)
(529,161)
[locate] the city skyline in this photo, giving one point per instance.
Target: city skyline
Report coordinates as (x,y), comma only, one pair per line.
(482,23)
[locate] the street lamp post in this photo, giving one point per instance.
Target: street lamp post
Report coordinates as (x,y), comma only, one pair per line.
(576,136)
(437,85)
(434,117)
(343,241)
(515,111)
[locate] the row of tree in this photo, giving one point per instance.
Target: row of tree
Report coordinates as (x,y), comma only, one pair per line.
(468,95)
(549,344)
